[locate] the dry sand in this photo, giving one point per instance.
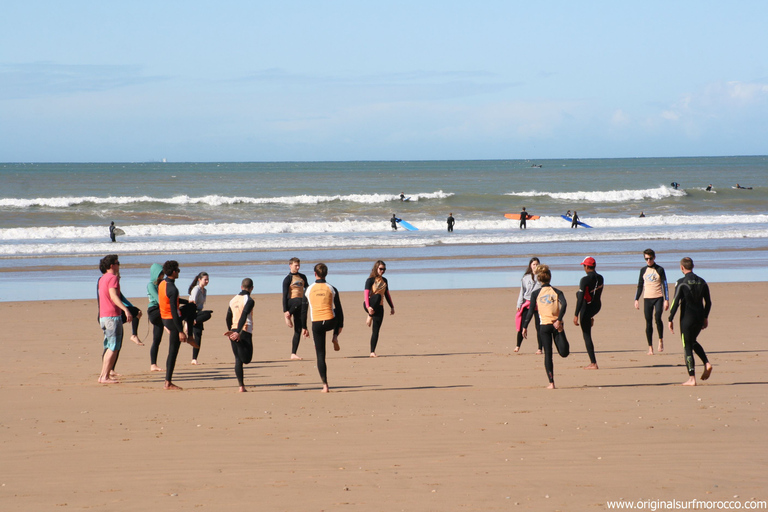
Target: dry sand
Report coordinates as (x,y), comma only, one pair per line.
(448,418)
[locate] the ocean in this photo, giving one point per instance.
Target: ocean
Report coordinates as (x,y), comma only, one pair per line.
(238,220)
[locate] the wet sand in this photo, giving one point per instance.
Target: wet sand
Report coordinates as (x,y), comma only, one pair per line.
(448,418)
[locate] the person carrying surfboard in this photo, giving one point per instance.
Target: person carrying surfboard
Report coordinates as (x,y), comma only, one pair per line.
(393,221)
(523,217)
(575,221)
(112,231)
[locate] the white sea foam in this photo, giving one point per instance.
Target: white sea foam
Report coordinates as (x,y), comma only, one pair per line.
(212,200)
(606,196)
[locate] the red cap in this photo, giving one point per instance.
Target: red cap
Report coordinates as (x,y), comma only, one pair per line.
(589,261)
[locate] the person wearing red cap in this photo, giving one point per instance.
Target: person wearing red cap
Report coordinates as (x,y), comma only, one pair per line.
(588,305)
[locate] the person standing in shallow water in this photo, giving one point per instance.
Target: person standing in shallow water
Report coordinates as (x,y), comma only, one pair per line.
(451,222)
(523,218)
(376,290)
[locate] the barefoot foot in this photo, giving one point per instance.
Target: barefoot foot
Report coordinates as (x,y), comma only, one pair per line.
(108,381)
(369,321)
(194,361)
(288,322)
(155,368)
(136,340)
(242,389)
(661,345)
(592,366)
(690,382)
(373,354)
(517,349)
(296,358)
(326,389)
(551,385)
(538,352)
(650,351)
(336,346)
(707,372)
(170,385)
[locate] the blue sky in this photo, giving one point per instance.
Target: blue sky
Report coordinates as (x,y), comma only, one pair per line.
(365,80)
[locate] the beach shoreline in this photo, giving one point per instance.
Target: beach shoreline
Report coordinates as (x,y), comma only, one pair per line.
(448,418)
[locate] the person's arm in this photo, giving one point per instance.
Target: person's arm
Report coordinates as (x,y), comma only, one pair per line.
(229,318)
(583,284)
(286,292)
(389,301)
(520,296)
(338,312)
(117,302)
(664,287)
(125,301)
(640,285)
(679,290)
(367,294)
(563,304)
(531,309)
(707,306)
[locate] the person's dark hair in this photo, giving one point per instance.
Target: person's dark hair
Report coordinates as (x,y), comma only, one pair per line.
(543,275)
(321,269)
(376,267)
(196,279)
(529,270)
(170,266)
(247,284)
(686,263)
(649,252)
(294,260)
(106,262)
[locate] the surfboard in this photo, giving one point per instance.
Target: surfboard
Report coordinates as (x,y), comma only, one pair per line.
(407,225)
(577,222)
(516,216)
(118,232)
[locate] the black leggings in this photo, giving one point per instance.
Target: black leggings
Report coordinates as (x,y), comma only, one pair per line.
(135,321)
(587,314)
(650,304)
(174,343)
(243,351)
(547,335)
(319,329)
(295,310)
(197,330)
(537,323)
(153,314)
(378,318)
(689,332)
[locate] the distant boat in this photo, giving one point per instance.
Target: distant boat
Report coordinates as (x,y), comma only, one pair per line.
(537,165)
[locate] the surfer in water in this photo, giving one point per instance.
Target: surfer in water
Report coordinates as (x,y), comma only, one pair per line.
(709,188)
(575,221)
(112,231)
(402,196)
(451,222)
(393,221)
(675,185)
(523,217)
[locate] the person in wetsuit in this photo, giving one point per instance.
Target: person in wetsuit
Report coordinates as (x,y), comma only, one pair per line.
(451,222)
(528,284)
(172,317)
(692,298)
(240,329)
(523,217)
(588,305)
(376,290)
(197,296)
(551,305)
(575,220)
(153,313)
(393,221)
(326,314)
(112,231)
(652,285)
(295,285)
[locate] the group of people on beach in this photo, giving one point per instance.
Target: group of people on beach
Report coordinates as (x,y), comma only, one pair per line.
(315,306)
(547,305)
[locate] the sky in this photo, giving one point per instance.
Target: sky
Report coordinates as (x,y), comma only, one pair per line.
(96,81)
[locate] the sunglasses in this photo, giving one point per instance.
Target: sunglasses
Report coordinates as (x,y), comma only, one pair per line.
(383,269)
(648,259)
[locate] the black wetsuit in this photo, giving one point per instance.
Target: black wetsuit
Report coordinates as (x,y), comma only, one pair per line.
(575,221)
(549,301)
(243,348)
(692,297)
(653,277)
(523,218)
(587,306)
(112,232)
(451,222)
(294,287)
(393,221)
(375,291)
(327,315)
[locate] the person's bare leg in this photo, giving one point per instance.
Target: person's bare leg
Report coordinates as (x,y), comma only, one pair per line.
(171,386)
(707,371)
(106,367)
(661,345)
(690,382)
(155,368)
(592,366)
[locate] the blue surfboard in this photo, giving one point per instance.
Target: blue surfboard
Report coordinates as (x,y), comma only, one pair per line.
(577,222)
(407,225)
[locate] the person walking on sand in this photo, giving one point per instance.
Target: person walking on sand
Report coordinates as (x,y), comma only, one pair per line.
(153,314)
(197,295)
(240,333)
(326,314)
(528,284)
(652,285)
(588,305)
(295,285)
(551,305)
(523,217)
(110,319)
(692,297)
(451,222)
(376,290)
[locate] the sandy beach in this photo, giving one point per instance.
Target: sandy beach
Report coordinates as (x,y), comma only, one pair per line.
(448,418)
